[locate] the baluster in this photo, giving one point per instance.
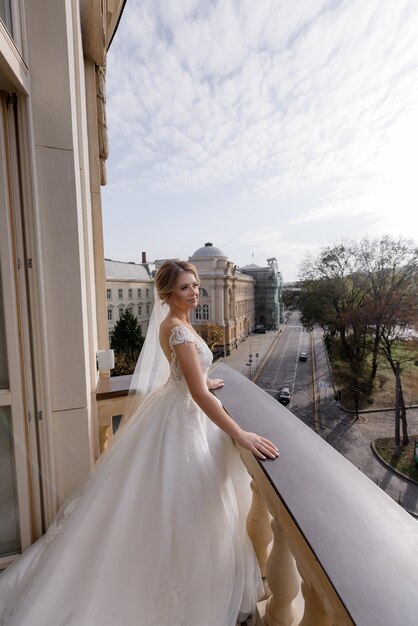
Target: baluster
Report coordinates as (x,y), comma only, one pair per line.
(259,527)
(105,433)
(283,581)
(314,613)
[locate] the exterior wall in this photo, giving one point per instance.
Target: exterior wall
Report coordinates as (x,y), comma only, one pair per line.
(65,234)
(51,258)
(144,299)
(268,295)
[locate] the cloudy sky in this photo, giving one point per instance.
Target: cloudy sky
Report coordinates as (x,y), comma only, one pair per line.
(269,127)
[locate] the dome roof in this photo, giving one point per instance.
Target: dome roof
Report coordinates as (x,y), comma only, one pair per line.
(208,250)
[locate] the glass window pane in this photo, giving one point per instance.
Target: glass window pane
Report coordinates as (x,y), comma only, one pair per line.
(9,516)
(4,372)
(6,14)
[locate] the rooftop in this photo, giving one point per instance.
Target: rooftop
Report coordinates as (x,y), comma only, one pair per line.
(251,266)
(119,270)
(208,250)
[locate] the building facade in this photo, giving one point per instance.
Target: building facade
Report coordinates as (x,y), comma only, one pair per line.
(226,296)
(128,286)
(268,293)
(53,148)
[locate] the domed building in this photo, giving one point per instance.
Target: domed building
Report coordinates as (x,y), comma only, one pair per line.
(226,295)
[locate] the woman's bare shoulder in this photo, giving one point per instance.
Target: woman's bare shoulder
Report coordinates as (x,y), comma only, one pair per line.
(168,325)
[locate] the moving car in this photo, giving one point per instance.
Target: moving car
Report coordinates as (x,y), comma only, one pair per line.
(284,395)
(303,356)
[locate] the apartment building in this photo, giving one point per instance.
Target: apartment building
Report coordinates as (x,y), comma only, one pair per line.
(129,286)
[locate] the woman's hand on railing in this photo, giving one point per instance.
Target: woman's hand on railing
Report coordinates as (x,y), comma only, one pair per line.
(260,446)
(215,383)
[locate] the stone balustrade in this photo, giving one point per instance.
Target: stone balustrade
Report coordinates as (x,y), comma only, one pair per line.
(333,548)
(338,550)
(111,395)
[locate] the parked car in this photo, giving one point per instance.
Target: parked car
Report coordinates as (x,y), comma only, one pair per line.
(284,395)
(261,329)
(303,356)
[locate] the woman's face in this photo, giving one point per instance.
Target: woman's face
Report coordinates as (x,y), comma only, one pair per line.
(186,292)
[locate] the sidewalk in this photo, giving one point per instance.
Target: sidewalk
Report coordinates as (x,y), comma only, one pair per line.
(255,344)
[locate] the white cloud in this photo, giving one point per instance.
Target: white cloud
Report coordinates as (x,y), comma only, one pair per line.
(312,103)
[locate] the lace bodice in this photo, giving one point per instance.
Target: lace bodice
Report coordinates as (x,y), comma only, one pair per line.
(184,413)
(181,334)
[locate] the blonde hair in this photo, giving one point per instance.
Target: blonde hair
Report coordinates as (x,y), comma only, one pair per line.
(167,275)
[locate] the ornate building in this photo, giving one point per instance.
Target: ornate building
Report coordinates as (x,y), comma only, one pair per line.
(226,295)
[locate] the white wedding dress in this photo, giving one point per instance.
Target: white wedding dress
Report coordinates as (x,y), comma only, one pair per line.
(157,535)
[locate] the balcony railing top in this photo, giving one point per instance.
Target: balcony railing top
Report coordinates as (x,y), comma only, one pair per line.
(365,543)
(113,387)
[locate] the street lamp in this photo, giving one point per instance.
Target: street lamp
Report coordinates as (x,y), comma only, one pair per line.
(249,364)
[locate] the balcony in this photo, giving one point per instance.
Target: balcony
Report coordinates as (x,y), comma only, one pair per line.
(111,394)
(334,549)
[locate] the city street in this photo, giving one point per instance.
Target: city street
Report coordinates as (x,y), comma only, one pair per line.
(312,401)
(284,369)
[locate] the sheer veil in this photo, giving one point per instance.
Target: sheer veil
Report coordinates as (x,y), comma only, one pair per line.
(152,369)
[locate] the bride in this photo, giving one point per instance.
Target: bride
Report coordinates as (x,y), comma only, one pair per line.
(156,537)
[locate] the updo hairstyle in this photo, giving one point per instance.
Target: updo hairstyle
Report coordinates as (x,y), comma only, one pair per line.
(167,275)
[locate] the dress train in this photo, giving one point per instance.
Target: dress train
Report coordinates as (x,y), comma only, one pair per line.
(156,537)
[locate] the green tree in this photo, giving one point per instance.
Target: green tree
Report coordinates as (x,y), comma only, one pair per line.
(126,341)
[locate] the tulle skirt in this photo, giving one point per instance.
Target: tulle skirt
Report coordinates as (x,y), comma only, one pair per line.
(156,537)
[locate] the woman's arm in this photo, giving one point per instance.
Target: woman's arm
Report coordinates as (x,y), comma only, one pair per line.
(187,357)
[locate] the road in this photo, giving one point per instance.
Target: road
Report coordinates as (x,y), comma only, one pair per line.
(283,369)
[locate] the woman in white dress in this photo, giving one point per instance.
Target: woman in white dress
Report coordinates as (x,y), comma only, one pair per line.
(156,537)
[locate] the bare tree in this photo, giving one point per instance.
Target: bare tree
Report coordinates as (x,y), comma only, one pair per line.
(366,293)
(333,298)
(389,275)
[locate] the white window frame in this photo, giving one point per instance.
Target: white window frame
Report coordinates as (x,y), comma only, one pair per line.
(15,397)
(16,24)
